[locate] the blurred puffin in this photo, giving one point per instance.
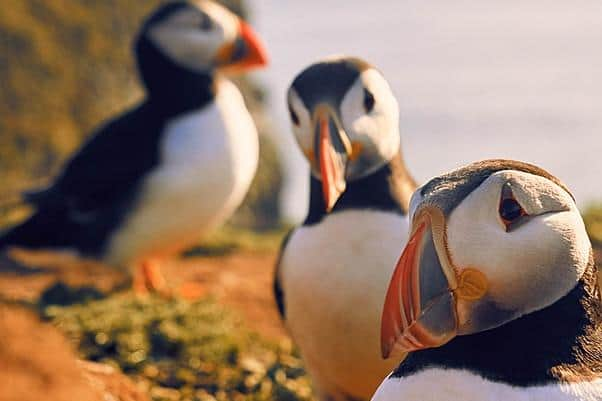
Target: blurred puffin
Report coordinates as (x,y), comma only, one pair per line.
(345,119)
(495,292)
(154,179)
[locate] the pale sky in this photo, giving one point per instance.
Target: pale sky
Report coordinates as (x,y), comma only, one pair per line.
(475,79)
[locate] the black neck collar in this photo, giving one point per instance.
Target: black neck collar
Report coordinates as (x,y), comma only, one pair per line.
(562,342)
(174,89)
(387,189)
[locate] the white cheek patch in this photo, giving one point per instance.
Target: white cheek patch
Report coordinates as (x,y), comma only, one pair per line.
(181,38)
(377,131)
(226,19)
(532,266)
(304,132)
(190,48)
(536,194)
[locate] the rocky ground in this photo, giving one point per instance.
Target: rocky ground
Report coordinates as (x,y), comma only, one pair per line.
(38,362)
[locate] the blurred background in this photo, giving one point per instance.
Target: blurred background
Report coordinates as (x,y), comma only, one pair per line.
(474,80)
(509,79)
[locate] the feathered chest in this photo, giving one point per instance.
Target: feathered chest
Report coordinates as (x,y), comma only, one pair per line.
(219,140)
(207,160)
(334,274)
(451,384)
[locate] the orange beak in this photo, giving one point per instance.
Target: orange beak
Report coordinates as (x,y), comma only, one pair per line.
(332,150)
(420,309)
(245,53)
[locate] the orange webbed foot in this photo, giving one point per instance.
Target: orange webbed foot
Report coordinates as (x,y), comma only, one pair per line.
(149,279)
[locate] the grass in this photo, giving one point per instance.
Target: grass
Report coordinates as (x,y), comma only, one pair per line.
(183,351)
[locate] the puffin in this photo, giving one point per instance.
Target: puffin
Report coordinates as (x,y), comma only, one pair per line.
(495,295)
(152,181)
(333,269)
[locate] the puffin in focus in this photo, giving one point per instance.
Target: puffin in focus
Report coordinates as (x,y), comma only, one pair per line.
(495,294)
(152,181)
(333,270)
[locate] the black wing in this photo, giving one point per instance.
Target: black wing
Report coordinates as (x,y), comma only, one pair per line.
(108,167)
(278,291)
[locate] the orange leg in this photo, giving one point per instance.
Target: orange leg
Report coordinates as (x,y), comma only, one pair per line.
(148,278)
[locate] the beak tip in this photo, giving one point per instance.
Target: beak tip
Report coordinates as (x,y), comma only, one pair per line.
(263,59)
(253,56)
(329,204)
(385,351)
(387,333)
(258,55)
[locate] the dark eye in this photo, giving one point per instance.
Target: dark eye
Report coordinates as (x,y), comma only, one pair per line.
(294,116)
(368,101)
(511,212)
(206,23)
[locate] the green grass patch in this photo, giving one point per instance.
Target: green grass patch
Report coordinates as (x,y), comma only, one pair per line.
(183,351)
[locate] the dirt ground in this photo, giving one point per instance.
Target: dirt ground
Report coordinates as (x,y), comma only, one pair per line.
(37,363)
(242,281)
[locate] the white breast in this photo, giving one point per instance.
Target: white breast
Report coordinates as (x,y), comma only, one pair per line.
(458,385)
(334,276)
(208,159)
